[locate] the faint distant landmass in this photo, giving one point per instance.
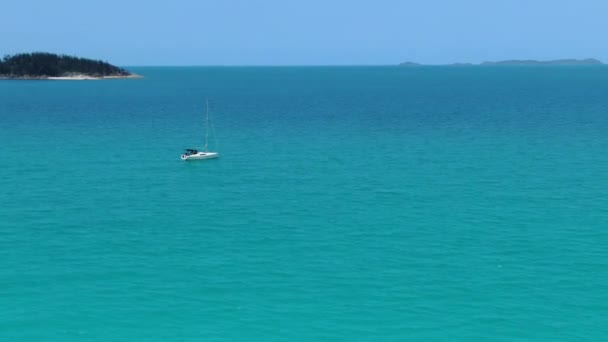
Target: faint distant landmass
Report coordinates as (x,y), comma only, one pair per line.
(588,61)
(409,64)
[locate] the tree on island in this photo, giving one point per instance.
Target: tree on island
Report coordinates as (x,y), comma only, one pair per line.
(43,64)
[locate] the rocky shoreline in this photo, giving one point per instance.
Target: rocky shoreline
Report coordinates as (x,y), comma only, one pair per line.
(74,77)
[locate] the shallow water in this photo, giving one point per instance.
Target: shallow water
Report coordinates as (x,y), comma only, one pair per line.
(349,203)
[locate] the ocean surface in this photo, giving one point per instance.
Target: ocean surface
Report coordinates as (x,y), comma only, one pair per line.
(349,204)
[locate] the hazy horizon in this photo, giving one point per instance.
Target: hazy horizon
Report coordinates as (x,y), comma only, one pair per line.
(277,33)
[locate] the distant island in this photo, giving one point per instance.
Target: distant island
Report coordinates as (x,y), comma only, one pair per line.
(49,66)
(588,61)
(409,64)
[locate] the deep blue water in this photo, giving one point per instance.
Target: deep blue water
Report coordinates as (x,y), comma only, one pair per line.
(349,204)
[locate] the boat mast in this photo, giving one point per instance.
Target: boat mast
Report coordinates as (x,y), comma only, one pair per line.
(207,129)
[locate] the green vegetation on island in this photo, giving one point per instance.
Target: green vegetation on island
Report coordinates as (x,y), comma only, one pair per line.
(43,65)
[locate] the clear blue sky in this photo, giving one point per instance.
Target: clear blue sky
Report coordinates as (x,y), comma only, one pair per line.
(306,32)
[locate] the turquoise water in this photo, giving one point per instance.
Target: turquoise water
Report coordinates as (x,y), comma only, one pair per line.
(349,204)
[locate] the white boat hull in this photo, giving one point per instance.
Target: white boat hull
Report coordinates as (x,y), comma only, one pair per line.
(200,156)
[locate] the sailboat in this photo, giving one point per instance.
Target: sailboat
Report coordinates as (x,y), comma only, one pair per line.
(194,154)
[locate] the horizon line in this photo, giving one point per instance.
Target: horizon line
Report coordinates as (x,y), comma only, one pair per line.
(333,65)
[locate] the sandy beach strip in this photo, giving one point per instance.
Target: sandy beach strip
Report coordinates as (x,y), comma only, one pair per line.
(86,77)
(73,78)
